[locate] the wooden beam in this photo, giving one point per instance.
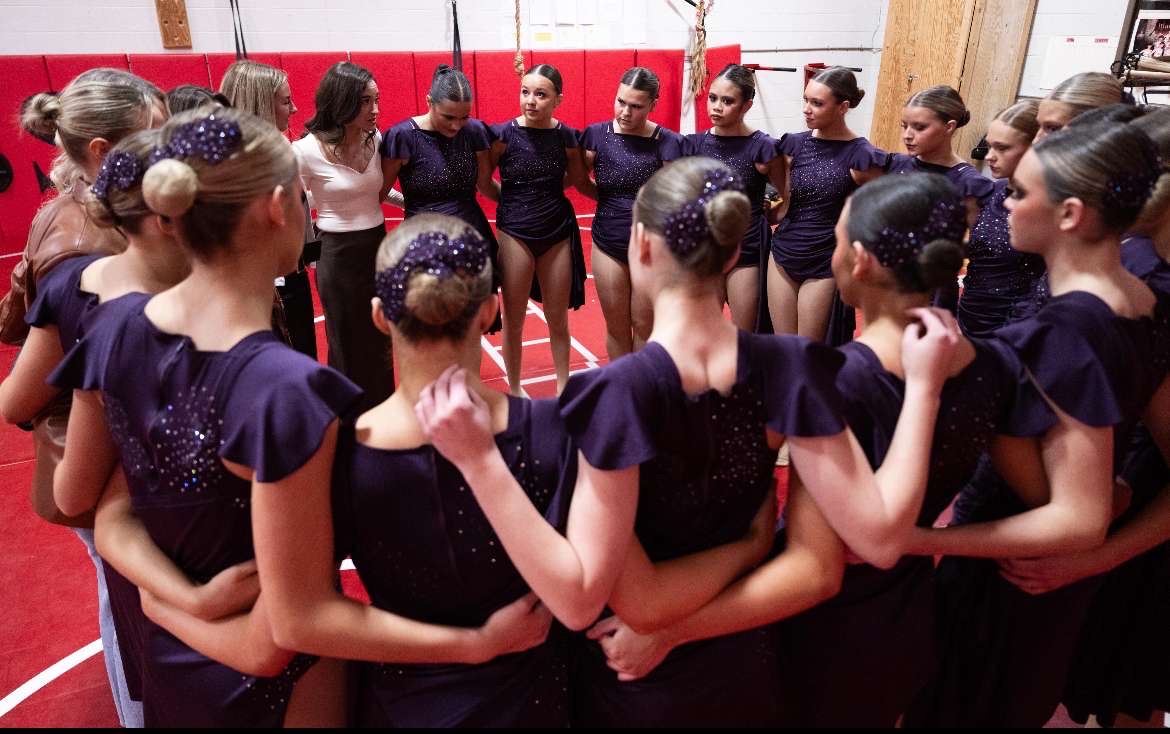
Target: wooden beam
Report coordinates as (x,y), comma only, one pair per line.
(172,23)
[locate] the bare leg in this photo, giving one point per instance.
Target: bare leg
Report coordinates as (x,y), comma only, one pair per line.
(612,278)
(554,269)
(782,299)
(743,296)
(814,301)
(319,698)
(516,269)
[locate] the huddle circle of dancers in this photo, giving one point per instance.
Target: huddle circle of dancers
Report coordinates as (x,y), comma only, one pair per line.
(610,557)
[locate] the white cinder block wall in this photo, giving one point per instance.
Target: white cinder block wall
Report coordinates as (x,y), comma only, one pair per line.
(115,26)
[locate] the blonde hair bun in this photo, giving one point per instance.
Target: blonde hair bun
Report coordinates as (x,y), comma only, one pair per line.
(169,187)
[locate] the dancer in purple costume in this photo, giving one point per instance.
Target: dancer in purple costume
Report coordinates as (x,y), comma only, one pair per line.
(622,154)
(825,165)
(755,157)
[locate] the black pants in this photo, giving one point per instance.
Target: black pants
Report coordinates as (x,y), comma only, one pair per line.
(297,299)
(345,281)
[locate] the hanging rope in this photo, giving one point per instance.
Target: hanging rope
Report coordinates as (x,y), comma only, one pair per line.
(699,54)
(518,62)
(457,46)
(238,30)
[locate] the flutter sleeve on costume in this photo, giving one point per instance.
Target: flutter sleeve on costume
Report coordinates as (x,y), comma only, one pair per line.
(280,407)
(84,365)
(398,142)
(612,413)
(800,385)
(865,155)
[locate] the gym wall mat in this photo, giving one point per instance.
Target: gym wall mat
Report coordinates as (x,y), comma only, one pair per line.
(20,78)
(496,85)
(217,65)
(571,64)
(305,70)
(63,67)
(667,64)
(717,58)
(603,71)
(424,69)
(168,71)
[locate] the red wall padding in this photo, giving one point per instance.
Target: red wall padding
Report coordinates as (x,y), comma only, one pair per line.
(496,85)
(424,70)
(667,64)
(63,67)
(398,96)
(717,58)
(304,74)
(20,78)
(217,65)
(571,64)
(603,71)
(170,70)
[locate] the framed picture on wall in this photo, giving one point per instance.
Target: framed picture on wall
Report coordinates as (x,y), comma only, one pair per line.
(1148,31)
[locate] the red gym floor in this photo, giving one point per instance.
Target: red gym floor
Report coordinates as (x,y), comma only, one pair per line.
(51,669)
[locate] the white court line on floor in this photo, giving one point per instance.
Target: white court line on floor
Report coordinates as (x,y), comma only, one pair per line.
(318,320)
(491,352)
(48,675)
(11,254)
(590,358)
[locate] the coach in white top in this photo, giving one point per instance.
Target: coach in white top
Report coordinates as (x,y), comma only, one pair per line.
(343,176)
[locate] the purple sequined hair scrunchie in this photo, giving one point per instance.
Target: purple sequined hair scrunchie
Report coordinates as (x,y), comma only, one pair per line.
(947,220)
(120,171)
(433,253)
(687,227)
(211,139)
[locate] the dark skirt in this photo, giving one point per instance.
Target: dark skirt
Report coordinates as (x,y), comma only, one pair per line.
(345,281)
(859,659)
(183,688)
(723,682)
(1122,662)
(529,689)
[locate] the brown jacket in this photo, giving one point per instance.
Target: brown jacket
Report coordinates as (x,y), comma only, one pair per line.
(60,230)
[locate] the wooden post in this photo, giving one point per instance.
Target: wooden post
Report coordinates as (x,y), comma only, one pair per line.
(172,23)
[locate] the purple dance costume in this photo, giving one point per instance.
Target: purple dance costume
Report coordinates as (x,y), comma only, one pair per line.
(970,183)
(175,413)
(858,659)
(621,165)
(1122,664)
(425,550)
(741,153)
(821,180)
(998,277)
(705,468)
(62,303)
(439,173)
(533,207)
(1006,654)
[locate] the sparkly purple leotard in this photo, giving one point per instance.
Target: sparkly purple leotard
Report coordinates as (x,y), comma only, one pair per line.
(533,207)
(175,413)
(820,179)
(858,659)
(998,277)
(742,153)
(1120,663)
(705,467)
(622,163)
(62,303)
(1005,654)
(439,173)
(425,550)
(970,183)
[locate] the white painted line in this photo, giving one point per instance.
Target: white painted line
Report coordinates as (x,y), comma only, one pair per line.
(529,343)
(319,319)
(585,216)
(490,350)
(13,254)
(347,565)
(48,675)
(553,376)
(589,356)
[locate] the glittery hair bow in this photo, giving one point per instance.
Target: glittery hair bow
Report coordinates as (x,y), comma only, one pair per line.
(947,220)
(120,171)
(687,227)
(212,139)
(433,253)
(1131,189)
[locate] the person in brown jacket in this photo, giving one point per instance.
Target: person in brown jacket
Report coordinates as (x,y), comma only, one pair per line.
(87,118)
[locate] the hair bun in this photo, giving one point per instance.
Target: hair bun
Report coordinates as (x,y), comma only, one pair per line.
(443,69)
(964,118)
(728,214)
(939,263)
(98,212)
(169,187)
(39,113)
(860,96)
